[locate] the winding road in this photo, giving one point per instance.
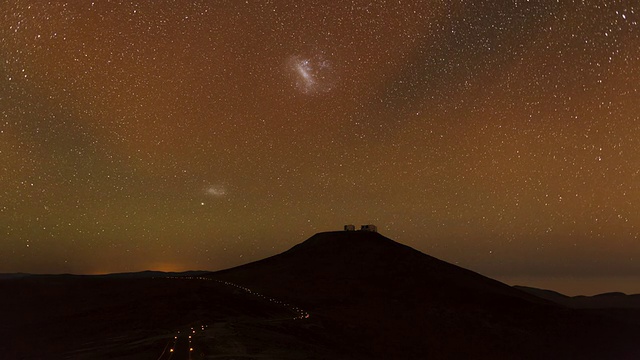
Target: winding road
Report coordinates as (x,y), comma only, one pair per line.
(183,344)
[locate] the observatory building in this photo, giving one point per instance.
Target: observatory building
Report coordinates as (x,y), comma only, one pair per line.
(368,227)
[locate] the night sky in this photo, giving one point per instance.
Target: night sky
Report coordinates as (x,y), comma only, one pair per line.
(502,136)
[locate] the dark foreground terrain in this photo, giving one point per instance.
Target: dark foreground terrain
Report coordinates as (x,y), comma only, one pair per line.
(338,295)
(73,317)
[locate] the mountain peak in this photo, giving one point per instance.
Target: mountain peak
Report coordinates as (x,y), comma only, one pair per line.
(330,264)
(332,242)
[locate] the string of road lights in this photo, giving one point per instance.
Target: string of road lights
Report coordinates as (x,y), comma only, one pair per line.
(171,348)
(300,313)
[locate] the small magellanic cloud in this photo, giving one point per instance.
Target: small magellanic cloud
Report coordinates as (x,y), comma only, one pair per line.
(216,191)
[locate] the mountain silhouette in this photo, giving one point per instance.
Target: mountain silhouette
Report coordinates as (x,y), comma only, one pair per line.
(338,295)
(377,298)
(611,300)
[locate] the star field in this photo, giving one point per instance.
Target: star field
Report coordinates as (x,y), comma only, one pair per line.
(500,136)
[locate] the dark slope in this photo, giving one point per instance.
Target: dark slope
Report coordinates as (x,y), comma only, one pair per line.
(129,318)
(386,300)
